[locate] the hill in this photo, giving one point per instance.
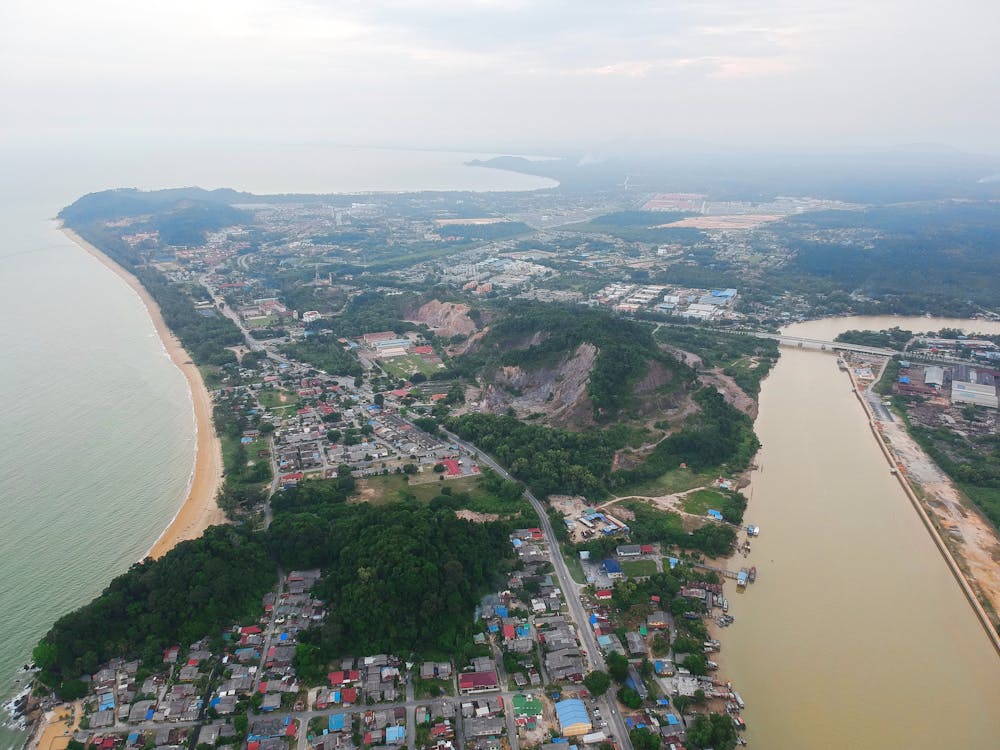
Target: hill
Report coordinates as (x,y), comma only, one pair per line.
(572,367)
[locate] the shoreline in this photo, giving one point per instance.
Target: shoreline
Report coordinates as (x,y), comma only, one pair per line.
(199,509)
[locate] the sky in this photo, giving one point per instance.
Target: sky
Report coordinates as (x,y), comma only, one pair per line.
(503,74)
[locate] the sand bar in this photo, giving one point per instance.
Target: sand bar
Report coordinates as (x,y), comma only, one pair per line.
(200,509)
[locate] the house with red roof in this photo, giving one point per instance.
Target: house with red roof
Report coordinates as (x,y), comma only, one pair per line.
(477,682)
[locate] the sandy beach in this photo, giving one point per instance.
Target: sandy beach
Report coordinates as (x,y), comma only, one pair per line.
(200,509)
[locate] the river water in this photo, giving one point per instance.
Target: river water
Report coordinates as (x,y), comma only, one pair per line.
(855,635)
(96,424)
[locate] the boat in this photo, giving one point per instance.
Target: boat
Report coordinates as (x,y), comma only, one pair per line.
(753,530)
(741,578)
(725,605)
(739,700)
(753,573)
(841,363)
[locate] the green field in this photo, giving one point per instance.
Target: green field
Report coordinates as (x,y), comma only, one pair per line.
(699,501)
(271,398)
(575,567)
(468,493)
(403,367)
(269,322)
(678,480)
(432,688)
(634,568)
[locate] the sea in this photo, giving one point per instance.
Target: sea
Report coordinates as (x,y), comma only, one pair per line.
(96,424)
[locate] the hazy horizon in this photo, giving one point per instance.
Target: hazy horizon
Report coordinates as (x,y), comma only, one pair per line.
(485,75)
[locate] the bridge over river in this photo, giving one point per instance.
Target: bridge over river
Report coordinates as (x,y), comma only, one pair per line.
(827,346)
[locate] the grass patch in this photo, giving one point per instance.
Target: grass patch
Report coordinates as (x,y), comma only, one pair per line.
(381,490)
(432,688)
(408,364)
(274,398)
(889,377)
(635,568)
(677,480)
(699,501)
(575,567)
(255,323)
(471,493)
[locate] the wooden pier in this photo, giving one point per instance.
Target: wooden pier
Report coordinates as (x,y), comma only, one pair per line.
(721,571)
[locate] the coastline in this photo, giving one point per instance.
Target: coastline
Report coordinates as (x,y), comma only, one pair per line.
(199,509)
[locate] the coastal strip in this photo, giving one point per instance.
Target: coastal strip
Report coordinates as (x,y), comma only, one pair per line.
(200,508)
(953,565)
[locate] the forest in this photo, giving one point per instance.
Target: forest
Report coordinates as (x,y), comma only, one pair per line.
(918,257)
(402,577)
(746,359)
(196,589)
(325,353)
(892,338)
(546,459)
(181,217)
(551,460)
(718,435)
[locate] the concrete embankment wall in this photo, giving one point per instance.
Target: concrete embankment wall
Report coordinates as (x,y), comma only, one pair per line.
(956,571)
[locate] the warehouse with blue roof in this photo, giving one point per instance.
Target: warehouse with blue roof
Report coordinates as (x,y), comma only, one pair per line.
(573,718)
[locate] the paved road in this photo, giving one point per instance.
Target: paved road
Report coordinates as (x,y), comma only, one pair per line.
(569,587)
(570,592)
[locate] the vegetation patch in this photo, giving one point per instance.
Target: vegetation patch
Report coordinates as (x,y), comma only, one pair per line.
(197,588)
(638,568)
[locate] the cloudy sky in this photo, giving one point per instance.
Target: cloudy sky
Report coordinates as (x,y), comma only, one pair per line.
(504,74)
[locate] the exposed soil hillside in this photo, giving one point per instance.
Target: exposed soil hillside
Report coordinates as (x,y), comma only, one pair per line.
(445,318)
(559,393)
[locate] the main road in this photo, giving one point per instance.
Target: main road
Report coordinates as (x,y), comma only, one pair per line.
(568,586)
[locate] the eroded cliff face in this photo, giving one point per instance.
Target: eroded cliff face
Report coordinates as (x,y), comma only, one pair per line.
(445,318)
(558,393)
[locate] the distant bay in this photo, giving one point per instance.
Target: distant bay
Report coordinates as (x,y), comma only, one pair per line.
(96,434)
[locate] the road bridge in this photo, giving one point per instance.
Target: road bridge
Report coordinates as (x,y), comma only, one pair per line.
(821,344)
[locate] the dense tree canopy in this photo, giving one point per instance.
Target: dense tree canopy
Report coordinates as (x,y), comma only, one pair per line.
(194,590)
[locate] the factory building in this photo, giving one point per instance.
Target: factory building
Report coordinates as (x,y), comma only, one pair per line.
(974,393)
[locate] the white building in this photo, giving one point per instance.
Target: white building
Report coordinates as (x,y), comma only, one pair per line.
(973,393)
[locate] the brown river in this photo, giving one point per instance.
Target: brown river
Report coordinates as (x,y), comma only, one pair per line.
(855,634)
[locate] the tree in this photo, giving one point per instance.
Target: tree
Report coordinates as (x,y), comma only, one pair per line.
(714,730)
(617,666)
(597,682)
(629,697)
(241,724)
(643,739)
(696,664)
(409,468)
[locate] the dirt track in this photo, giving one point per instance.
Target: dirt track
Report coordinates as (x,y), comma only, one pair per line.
(970,536)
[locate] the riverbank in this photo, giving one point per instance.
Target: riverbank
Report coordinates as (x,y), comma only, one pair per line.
(925,515)
(200,508)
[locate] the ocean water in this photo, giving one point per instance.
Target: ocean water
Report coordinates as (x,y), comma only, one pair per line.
(96,425)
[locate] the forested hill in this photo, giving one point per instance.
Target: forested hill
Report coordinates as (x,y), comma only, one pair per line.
(194,590)
(912,258)
(577,365)
(181,216)
(402,577)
